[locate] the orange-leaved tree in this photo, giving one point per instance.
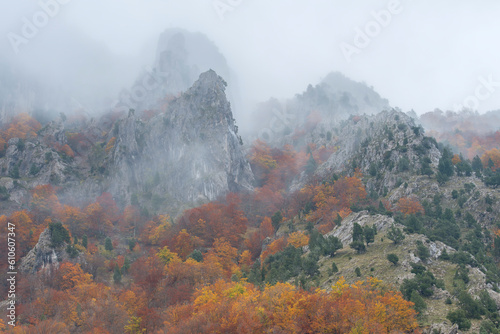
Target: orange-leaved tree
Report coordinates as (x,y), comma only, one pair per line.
(298,239)
(216,220)
(349,190)
(96,220)
(22,126)
(491,159)
(274,247)
(70,275)
(239,307)
(409,206)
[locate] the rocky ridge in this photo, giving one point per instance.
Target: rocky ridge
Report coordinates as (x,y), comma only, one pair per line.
(187,155)
(388,144)
(192,152)
(45,255)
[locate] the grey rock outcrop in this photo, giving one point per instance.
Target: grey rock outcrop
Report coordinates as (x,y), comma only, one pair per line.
(363,218)
(54,132)
(495,296)
(191,153)
(389,141)
(187,155)
(44,255)
(384,139)
(32,158)
(26,164)
(41,256)
(443,328)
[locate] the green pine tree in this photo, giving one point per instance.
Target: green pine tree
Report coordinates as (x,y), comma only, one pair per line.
(108,245)
(395,234)
(117,276)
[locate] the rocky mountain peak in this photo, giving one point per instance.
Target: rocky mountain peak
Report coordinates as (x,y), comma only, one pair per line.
(181,57)
(193,146)
(209,83)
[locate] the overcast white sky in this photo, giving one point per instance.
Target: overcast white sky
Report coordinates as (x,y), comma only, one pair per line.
(430,55)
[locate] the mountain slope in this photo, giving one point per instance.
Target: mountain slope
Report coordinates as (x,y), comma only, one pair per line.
(188,154)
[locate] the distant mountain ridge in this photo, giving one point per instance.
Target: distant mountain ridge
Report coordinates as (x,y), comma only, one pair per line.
(332,100)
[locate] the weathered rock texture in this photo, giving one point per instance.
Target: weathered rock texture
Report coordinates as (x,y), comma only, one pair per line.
(189,153)
(44,255)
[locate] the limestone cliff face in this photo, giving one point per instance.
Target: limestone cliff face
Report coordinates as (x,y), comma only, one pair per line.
(44,255)
(187,155)
(389,144)
(190,153)
(26,164)
(382,139)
